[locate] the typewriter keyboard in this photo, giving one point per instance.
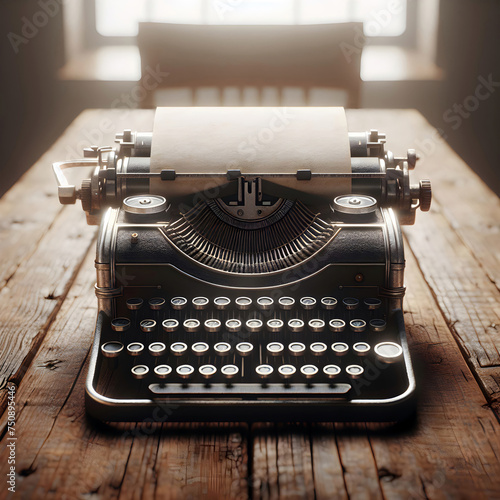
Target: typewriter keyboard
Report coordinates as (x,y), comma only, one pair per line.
(346,346)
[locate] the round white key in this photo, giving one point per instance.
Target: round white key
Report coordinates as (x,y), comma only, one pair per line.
(221,303)
(200,348)
(120,324)
(309,371)
(243,303)
(135,348)
(178,348)
(265,303)
(264,371)
(140,371)
(229,371)
(340,348)
(157,303)
(308,302)
(275,348)
(148,325)
(336,325)
(389,352)
(286,303)
(163,371)
(222,348)
(296,348)
(254,325)
(244,348)
(318,348)
(191,325)
(157,348)
(212,325)
(275,325)
(354,371)
(361,348)
(185,371)
(331,371)
(316,325)
(200,303)
(328,303)
(170,325)
(296,325)
(207,371)
(112,349)
(233,325)
(178,303)
(287,371)
(357,325)
(134,303)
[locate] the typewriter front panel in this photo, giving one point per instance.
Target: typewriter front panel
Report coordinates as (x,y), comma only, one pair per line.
(304,325)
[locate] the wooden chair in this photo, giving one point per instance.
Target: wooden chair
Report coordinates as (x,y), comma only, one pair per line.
(305,56)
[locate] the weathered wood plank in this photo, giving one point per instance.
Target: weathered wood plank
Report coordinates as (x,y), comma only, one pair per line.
(62,454)
(29,208)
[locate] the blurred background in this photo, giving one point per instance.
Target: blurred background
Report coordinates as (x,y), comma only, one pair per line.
(440,57)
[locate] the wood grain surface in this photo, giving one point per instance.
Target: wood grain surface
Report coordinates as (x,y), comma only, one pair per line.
(452,309)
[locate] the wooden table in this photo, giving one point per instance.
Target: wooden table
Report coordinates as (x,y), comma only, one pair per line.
(47,313)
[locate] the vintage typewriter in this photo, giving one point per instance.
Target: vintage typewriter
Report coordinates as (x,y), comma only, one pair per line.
(249,267)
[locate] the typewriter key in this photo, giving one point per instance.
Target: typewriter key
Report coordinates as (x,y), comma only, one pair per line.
(178,348)
(200,348)
(354,371)
(222,348)
(297,348)
(185,371)
(157,348)
(296,325)
(221,303)
(178,303)
(265,303)
(163,371)
(275,348)
(120,324)
(389,352)
(318,348)
(170,325)
(233,325)
(207,371)
(287,371)
(350,303)
(148,325)
(243,303)
(316,325)
(377,325)
(135,348)
(112,349)
(140,371)
(200,303)
(229,371)
(254,325)
(156,303)
(264,371)
(275,325)
(134,304)
(309,371)
(328,303)
(331,371)
(340,348)
(244,348)
(372,303)
(191,325)
(286,303)
(357,325)
(361,348)
(212,325)
(337,325)
(308,302)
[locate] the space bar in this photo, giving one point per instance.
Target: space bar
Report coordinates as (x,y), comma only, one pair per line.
(257,390)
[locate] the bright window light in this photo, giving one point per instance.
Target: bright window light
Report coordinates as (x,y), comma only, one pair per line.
(380,17)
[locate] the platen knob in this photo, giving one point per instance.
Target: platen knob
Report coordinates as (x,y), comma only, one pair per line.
(86,195)
(425,195)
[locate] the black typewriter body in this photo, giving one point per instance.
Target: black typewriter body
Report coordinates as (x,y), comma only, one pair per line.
(208,315)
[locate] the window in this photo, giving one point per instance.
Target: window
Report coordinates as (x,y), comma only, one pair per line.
(120,18)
